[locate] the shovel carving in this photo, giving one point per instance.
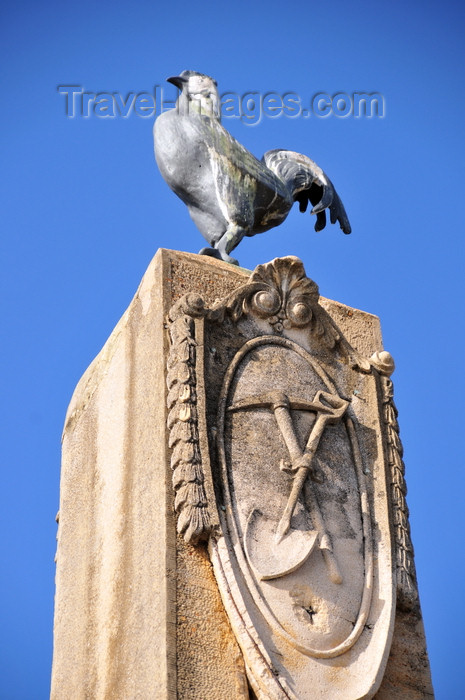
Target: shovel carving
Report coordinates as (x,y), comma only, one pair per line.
(297,545)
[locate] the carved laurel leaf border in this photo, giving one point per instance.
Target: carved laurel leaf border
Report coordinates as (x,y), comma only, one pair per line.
(407,592)
(191,505)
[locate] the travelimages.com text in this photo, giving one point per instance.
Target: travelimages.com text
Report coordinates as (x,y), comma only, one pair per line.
(250,108)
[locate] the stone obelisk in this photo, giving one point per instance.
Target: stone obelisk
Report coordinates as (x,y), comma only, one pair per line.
(221,401)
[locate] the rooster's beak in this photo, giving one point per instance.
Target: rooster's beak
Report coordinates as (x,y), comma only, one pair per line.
(177,80)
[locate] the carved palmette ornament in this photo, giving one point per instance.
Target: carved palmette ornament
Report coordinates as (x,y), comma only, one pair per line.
(286,457)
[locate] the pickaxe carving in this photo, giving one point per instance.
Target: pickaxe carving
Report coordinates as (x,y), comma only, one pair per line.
(329,408)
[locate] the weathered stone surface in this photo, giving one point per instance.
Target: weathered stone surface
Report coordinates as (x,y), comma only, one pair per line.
(136,615)
(116,557)
(407,674)
(138,612)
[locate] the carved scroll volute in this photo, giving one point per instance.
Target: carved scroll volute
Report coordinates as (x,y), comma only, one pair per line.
(286,297)
(281,293)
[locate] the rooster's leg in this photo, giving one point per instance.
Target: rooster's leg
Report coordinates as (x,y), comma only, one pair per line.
(228,241)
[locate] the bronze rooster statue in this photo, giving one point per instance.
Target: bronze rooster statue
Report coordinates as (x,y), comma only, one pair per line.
(228,192)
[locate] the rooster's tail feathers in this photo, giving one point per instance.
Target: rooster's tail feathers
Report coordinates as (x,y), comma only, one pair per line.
(306,182)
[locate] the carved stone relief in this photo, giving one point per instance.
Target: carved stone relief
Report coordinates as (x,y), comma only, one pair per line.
(407,592)
(285,454)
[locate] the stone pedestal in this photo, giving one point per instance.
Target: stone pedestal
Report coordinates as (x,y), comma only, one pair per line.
(138,613)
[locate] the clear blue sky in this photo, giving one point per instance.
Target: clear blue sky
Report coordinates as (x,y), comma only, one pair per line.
(85,209)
